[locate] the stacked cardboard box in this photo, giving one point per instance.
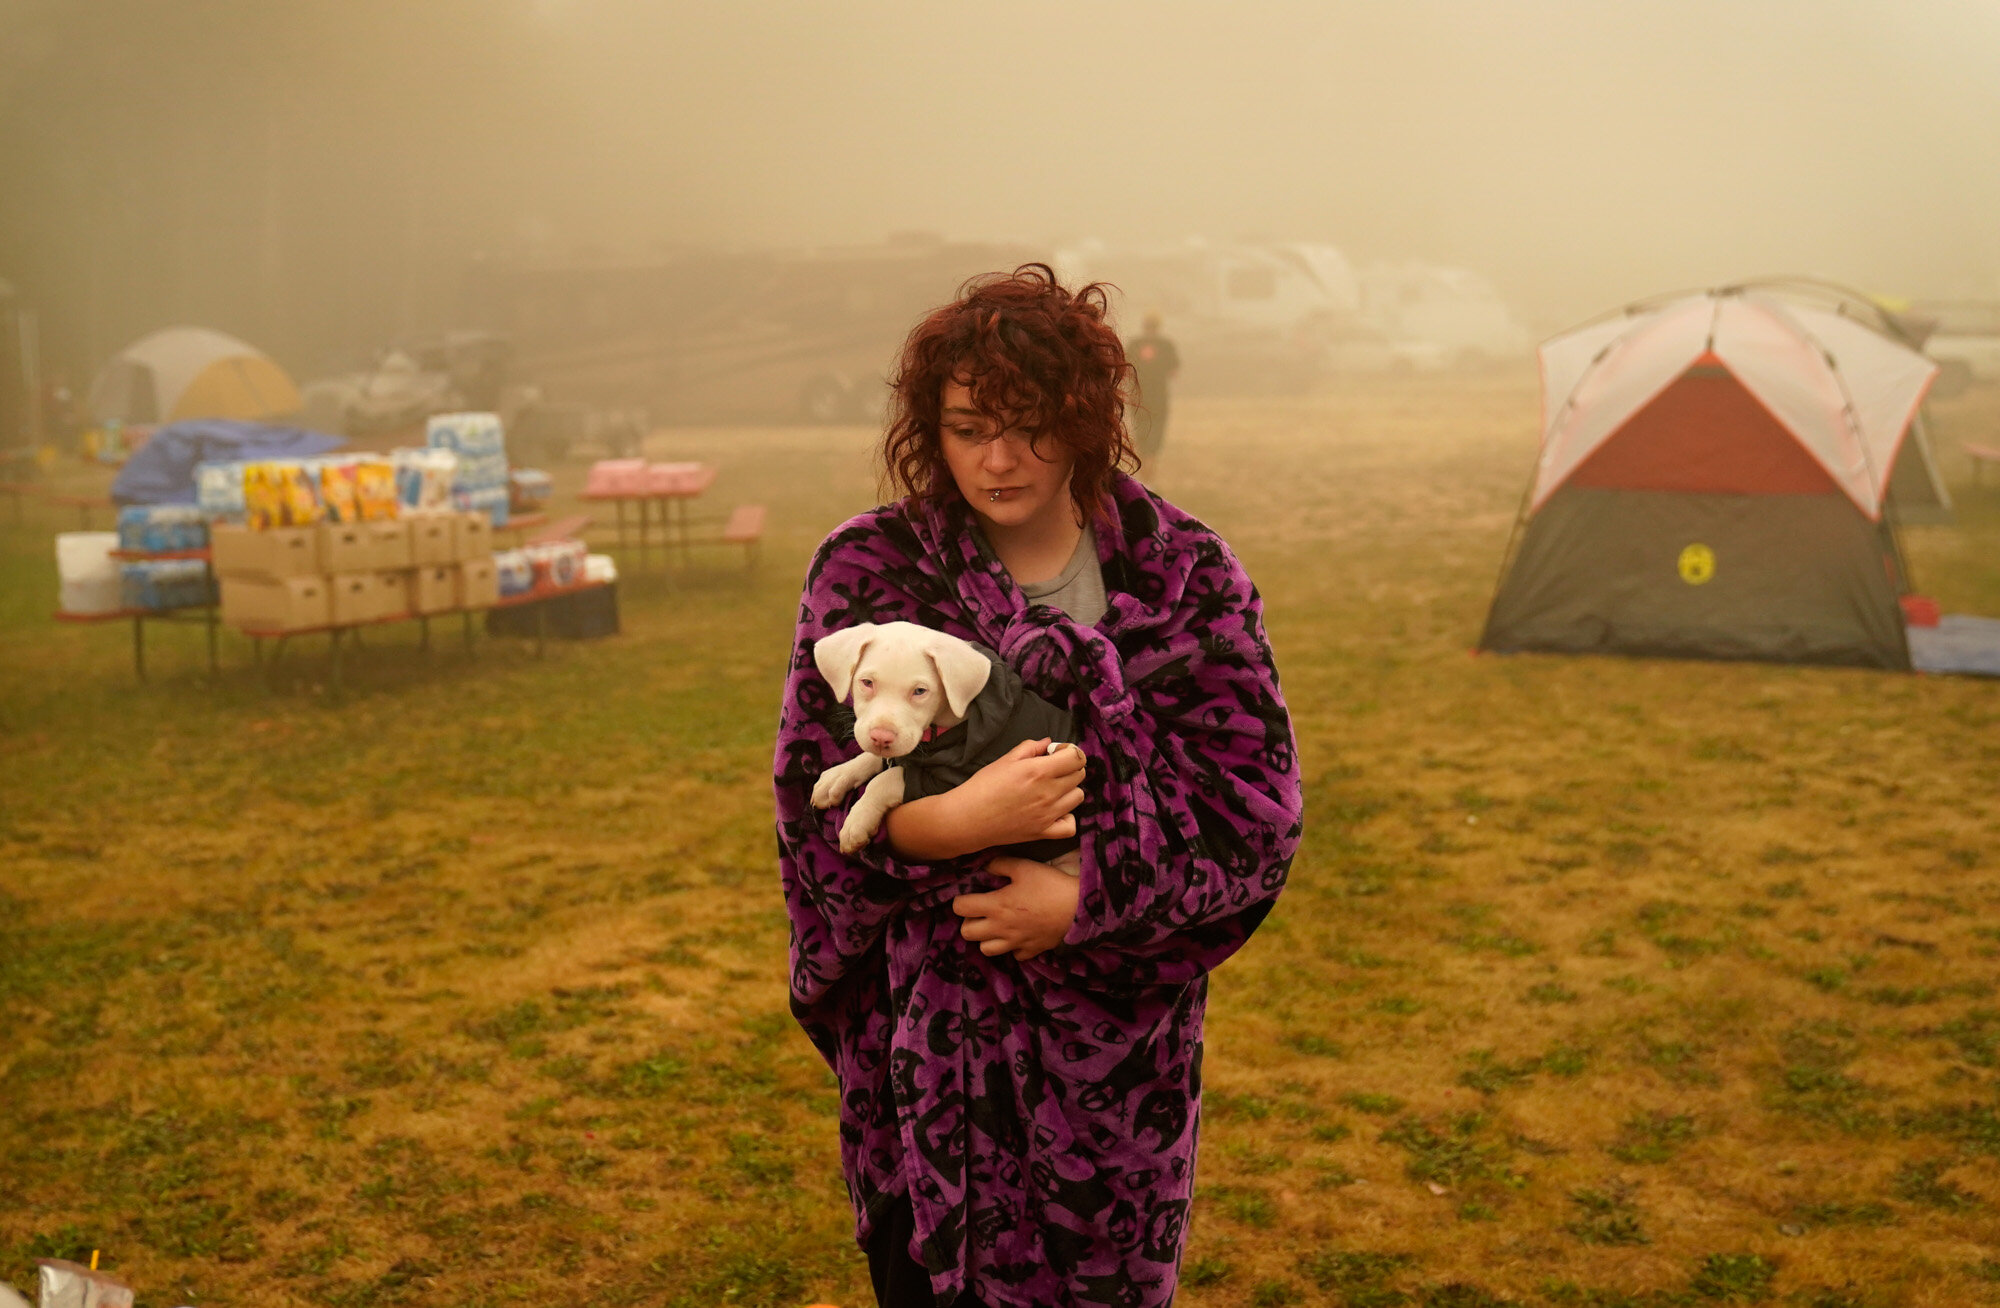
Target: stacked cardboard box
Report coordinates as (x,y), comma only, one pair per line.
(337,574)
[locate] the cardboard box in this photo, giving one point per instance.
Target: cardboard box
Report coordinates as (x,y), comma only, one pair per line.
(345,547)
(393,599)
(478,584)
(432,539)
(270,555)
(353,597)
(292,604)
(364,546)
(472,536)
(434,589)
(390,540)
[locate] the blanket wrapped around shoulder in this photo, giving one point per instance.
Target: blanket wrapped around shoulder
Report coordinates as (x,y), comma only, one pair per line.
(1041,1116)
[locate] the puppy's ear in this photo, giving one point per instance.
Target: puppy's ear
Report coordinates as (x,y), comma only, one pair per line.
(838,653)
(961,668)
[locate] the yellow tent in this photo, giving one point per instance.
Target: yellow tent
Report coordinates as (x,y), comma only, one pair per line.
(192,372)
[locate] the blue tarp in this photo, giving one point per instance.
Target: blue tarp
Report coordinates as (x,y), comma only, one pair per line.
(1957,644)
(162,472)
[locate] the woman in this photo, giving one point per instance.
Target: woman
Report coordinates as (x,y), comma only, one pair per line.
(1019,1052)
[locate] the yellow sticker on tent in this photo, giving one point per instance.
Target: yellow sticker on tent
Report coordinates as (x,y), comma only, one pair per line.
(1697,564)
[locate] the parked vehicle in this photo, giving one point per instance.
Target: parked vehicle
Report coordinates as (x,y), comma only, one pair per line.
(1453,309)
(1247,317)
(1360,348)
(804,335)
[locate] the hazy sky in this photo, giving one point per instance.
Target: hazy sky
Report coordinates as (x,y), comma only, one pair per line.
(1578,152)
(315,171)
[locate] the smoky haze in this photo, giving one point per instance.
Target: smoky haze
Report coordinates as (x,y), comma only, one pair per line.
(314,175)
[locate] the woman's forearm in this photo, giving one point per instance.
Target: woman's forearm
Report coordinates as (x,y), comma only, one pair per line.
(929,829)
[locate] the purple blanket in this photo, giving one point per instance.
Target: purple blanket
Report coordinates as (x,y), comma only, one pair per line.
(1042,1116)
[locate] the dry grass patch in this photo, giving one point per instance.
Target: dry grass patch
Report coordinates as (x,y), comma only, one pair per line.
(1599,982)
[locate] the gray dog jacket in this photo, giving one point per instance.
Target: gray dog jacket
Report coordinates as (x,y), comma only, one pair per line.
(1000,717)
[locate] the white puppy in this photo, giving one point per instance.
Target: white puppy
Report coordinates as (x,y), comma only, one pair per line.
(910,685)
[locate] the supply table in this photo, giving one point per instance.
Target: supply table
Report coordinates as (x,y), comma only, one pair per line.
(203,613)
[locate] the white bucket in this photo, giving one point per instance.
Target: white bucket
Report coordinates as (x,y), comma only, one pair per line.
(89,575)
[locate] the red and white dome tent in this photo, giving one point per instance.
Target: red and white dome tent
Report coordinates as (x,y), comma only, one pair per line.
(1721,474)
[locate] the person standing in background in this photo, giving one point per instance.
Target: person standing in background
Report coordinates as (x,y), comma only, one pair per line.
(1154,363)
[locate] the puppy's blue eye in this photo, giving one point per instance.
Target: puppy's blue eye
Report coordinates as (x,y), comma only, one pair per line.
(919,693)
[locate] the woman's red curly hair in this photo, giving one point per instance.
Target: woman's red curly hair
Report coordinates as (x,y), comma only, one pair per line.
(1038,358)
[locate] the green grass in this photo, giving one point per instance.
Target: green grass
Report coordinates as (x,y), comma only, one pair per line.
(468,986)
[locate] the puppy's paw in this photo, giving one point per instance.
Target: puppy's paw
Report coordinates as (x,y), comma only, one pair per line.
(858,830)
(831,788)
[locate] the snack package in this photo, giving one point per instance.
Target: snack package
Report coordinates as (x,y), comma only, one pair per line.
(218,490)
(375,488)
(557,564)
(515,571)
(263,500)
(424,480)
(337,490)
(281,494)
(301,493)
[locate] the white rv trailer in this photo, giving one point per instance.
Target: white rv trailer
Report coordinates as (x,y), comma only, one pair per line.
(1247,316)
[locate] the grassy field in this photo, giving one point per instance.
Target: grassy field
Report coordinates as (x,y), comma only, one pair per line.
(1598,982)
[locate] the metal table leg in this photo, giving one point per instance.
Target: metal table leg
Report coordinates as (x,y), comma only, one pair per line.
(211,618)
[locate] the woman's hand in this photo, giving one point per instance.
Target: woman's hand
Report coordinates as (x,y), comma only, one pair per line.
(1029,915)
(1025,794)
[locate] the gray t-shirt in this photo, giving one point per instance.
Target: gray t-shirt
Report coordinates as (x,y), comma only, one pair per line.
(1079,589)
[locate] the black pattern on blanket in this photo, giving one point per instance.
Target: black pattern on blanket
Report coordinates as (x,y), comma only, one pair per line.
(1042,1116)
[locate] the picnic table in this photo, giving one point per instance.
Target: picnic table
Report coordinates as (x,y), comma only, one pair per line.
(671,492)
(85,506)
(205,614)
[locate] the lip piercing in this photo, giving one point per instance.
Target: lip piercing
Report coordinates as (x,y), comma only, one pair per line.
(993,497)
